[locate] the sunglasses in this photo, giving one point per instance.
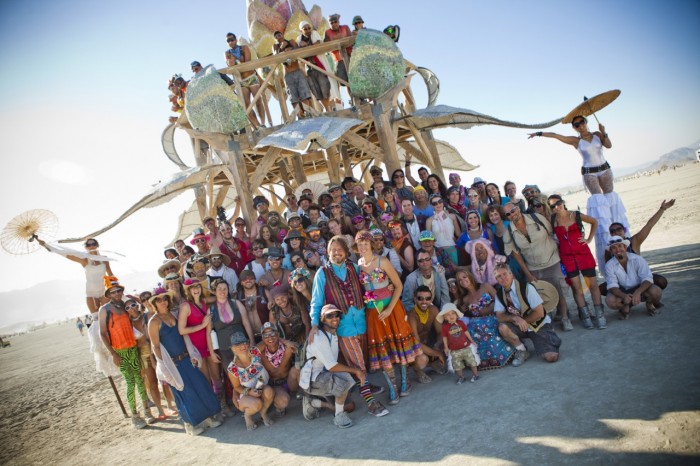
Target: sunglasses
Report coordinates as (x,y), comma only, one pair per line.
(335,206)
(616,241)
(201,241)
(131,306)
(558,203)
(511,211)
(473,195)
(579,123)
(436,202)
(269,335)
(231,39)
(425,259)
(160,299)
(424,298)
(398,176)
(357,222)
(309,255)
(88,245)
(537,204)
(333,315)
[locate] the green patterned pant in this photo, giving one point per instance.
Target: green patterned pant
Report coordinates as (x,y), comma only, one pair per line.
(131,370)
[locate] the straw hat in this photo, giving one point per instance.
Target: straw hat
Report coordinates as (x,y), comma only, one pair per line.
(166,264)
(447,308)
(160,291)
(548,293)
(215,251)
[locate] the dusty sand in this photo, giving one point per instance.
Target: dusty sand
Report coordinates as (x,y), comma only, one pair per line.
(628,394)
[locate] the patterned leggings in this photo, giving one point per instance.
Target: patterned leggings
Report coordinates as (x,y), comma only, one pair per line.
(131,370)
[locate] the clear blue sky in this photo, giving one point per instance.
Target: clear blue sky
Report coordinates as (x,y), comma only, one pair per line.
(83,88)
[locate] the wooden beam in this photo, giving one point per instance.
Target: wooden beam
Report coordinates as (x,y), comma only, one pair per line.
(425,159)
(298,167)
(364,145)
(333,162)
(264,167)
(281,96)
(239,173)
(347,163)
(385,133)
(284,176)
(260,93)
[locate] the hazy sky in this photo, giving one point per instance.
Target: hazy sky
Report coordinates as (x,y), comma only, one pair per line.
(84,98)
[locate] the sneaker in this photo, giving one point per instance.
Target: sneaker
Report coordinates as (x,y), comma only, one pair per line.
(460,381)
(375,389)
(566,325)
(316,403)
(342,420)
(149,417)
(474,378)
(310,413)
(211,422)
(193,430)
(520,357)
(375,408)
(137,422)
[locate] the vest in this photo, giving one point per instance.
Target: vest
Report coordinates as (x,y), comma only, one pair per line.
(343,294)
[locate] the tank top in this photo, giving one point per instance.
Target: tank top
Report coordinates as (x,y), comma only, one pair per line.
(444,231)
(592,152)
(121,333)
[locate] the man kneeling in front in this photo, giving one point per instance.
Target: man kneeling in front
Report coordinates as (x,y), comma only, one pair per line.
(521,315)
(323,376)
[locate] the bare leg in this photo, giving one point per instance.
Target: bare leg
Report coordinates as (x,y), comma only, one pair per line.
(268,397)
(149,376)
(93,304)
(578,293)
(594,290)
(251,115)
(259,104)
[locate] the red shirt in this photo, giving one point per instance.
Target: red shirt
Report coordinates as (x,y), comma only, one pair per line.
(343,31)
(457,335)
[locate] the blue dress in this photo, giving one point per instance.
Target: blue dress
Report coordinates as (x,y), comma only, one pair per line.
(493,350)
(196,401)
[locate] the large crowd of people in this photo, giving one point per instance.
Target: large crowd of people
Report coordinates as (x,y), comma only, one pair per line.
(416,280)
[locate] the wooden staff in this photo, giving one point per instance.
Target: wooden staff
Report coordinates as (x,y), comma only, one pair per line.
(116,393)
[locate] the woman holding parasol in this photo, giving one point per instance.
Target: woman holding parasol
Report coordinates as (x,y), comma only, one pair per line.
(604,204)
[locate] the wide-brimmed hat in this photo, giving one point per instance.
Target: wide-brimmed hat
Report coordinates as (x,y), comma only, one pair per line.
(293,234)
(172,277)
(215,251)
(548,293)
(333,186)
(447,308)
(199,234)
(111,284)
(171,249)
(292,216)
(160,291)
(166,264)
(618,239)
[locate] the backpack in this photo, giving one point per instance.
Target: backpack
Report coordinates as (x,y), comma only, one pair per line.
(537,221)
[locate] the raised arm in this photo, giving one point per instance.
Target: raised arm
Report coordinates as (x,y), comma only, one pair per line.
(637,239)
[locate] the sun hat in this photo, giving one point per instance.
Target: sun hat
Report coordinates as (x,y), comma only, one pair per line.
(292,216)
(305,197)
(367,200)
(199,234)
(238,338)
(215,251)
(111,284)
(172,277)
(298,275)
(548,293)
(171,249)
(478,180)
(530,186)
(447,308)
(166,264)
(357,19)
(189,283)
(426,235)
(160,291)
(618,239)
(293,234)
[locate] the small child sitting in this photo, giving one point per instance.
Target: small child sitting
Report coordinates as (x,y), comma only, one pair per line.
(456,340)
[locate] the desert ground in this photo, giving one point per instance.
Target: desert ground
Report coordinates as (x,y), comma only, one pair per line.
(629,394)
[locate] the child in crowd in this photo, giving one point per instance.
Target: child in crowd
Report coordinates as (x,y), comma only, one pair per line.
(456,340)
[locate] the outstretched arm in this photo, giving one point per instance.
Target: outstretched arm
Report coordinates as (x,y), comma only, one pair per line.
(570,140)
(638,239)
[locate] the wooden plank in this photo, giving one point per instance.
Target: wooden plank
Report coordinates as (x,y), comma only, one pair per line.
(333,162)
(298,167)
(364,145)
(260,93)
(385,133)
(239,174)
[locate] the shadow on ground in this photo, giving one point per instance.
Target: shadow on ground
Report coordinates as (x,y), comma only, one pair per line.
(594,405)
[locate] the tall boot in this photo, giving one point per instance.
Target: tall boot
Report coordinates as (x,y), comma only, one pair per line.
(406,386)
(584,315)
(601,323)
(393,389)
(220,392)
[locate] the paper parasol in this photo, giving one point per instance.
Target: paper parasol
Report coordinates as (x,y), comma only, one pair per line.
(592,105)
(316,189)
(19,234)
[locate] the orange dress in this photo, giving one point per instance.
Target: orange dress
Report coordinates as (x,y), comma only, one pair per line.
(391,341)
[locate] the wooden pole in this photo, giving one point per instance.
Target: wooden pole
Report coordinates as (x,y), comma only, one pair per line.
(333,164)
(298,167)
(385,132)
(116,393)
(240,179)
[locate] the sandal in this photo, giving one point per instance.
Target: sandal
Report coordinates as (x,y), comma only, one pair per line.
(651,310)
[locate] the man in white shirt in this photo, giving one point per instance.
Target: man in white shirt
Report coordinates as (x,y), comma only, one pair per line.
(322,375)
(629,280)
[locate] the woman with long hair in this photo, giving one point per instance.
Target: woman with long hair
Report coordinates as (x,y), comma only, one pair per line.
(195,402)
(436,186)
(476,301)
(194,321)
(300,286)
(494,195)
(390,339)
(445,228)
(576,257)
(604,204)
(267,237)
(403,191)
